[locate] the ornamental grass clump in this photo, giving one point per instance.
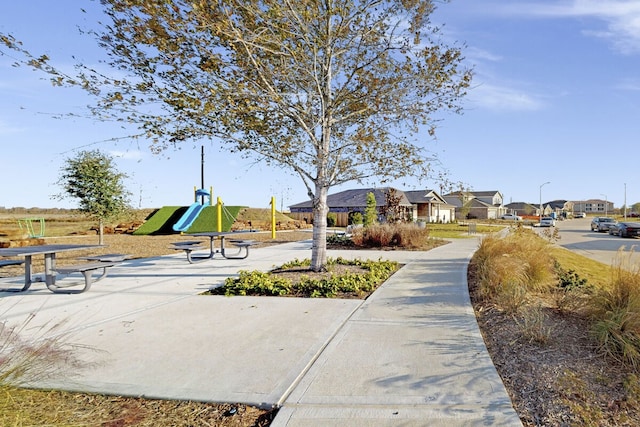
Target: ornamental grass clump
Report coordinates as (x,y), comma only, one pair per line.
(401,235)
(615,311)
(28,358)
(511,267)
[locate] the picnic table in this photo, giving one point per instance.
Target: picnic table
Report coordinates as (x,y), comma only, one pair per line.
(51,271)
(192,245)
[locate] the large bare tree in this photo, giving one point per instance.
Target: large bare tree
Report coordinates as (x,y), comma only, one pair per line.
(333,90)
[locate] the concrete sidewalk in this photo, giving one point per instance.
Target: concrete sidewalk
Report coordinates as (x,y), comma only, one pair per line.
(411,354)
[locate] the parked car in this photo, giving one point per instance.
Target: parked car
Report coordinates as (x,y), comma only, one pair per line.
(512,217)
(547,221)
(602,223)
(625,229)
(580,215)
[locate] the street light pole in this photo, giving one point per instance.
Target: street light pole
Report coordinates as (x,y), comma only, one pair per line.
(540,213)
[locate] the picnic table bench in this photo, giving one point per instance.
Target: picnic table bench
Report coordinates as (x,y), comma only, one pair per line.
(188,246)
(241,245)
(8,262)
(98,262)
(51,270)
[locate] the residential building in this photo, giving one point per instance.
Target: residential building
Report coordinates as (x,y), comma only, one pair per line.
(593,206)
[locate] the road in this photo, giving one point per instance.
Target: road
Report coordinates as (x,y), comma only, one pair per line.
(576,235)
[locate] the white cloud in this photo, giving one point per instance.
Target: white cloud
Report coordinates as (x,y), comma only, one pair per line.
(478,54)
(503,98)
(622,18)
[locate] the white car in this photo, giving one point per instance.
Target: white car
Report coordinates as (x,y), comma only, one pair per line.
(511,217)
(547,221)
(580,215)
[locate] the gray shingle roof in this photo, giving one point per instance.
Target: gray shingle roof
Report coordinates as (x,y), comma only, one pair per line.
(356,198)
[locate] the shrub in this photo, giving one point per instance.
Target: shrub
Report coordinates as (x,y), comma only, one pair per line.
(510,267)
(256,283)
(572,290)
(339,239)
(332,219)
(355,218)
(370,211)
(615,310)
(355,284)
(402,235)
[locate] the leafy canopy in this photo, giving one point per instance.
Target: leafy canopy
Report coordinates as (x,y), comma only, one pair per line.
(92,178)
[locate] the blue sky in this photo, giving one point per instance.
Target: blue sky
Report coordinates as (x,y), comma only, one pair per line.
(556,98)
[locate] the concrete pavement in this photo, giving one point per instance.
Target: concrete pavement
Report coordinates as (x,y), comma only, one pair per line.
(410,355)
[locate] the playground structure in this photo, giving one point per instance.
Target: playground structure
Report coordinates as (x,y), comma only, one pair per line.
(216,218)
(27,225)
(201,216)
(185,222)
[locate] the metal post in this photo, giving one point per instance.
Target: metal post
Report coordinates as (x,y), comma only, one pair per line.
(202,171)
(273,217)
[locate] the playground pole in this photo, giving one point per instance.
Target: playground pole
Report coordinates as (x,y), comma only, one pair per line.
(273,217)
(202,171)
(219,214)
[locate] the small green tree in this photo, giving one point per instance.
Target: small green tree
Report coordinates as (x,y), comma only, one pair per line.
(355,218)
(332,218)
(92,178)
(371,210)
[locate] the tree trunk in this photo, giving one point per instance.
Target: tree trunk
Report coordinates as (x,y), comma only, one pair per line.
(319,247)
(100,232)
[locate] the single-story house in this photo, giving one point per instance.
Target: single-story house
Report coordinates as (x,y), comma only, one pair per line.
(523,208)
(345,203)
(418,205)
(429,206)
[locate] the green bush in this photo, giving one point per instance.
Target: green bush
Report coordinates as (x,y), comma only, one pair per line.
(256,283)
(269,284)
(572,291)
(332,219)
(355,218)
(339,239)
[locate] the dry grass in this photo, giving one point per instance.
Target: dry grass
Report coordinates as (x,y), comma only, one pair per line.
(555,372)
(23,407)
